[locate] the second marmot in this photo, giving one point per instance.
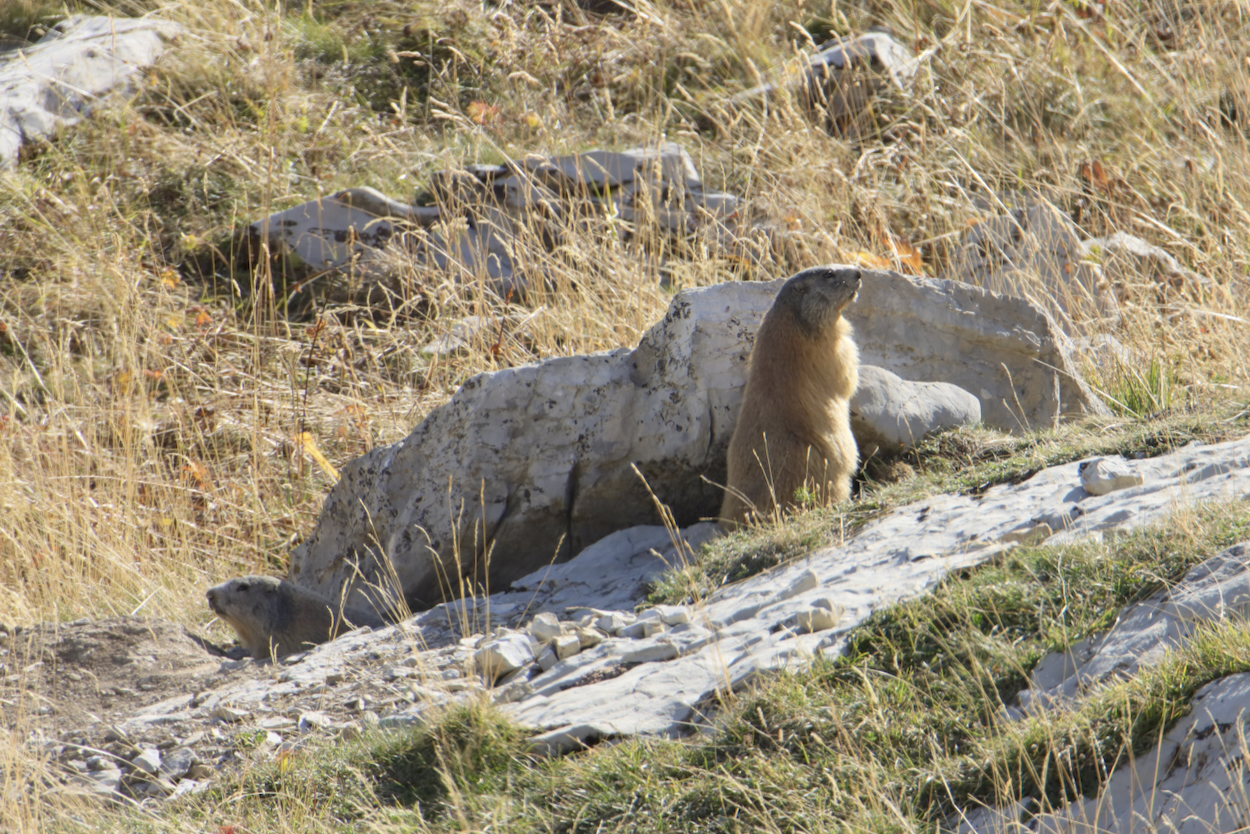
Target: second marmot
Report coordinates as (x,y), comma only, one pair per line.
(794,429)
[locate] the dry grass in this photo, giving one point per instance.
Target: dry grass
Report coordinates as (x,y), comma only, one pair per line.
(153,391)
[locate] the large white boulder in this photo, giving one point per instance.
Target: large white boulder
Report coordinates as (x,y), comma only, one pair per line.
(530,465)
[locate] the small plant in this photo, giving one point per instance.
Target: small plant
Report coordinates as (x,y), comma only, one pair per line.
(1133,393)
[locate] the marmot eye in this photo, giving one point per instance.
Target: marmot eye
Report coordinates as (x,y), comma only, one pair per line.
(243,586)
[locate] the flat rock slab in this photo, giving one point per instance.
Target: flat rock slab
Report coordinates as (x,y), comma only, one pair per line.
(53,83)
(535,463)
(1194,782)
(897,557)
(1144,632)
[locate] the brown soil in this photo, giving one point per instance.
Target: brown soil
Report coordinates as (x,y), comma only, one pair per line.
(61,676)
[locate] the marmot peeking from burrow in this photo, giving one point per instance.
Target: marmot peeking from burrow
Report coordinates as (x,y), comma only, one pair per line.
(274,617)
(794,430)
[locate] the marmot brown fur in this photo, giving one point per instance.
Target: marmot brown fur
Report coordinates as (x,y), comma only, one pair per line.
(794,430)
(274,617)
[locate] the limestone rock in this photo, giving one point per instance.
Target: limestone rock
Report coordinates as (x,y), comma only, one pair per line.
(842,79)
(895,557)
(1193,781)
(567,645)
(660,685)
(1216,589)
(482,212)
(56,81)
(895,414)
(507,654)
(147,761)
(541,457)
(817,619)
(545,627)
(1103,475)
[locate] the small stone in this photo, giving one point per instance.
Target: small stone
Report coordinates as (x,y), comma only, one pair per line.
(101,763)
(499,657)
(545,627)
(515,691)
(636,631)
(176,763)
(804,582)
(313,720)
(228,714)
(104,780)
(1104,475)
(567,645)
(548,658)
(614,622)
(817,619)
(589,637)
(148,760)
(200,771)
(673,615)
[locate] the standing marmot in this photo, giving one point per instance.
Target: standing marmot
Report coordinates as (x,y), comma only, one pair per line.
(274,617)
(794,429)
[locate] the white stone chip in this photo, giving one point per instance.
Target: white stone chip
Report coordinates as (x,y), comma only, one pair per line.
(313,720)
(545,627)
(614,622)
(1104,475)
(228,714)
(672,615)
(499,657)
(589,637)
(817,619)
(148,760)
(567,645)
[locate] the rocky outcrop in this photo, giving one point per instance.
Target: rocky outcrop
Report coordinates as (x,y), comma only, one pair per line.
(1194,779)
(530,465)
(476,218)
(567,653)
(840,82)
(54,83)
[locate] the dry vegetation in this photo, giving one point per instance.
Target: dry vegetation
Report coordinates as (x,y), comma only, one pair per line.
(161,397)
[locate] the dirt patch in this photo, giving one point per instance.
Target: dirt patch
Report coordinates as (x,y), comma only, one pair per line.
(59,676)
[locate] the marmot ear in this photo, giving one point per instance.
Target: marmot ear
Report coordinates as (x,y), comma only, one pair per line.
(272,590)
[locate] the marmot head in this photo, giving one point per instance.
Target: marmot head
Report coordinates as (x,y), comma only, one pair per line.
(816,297)
(236,589)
